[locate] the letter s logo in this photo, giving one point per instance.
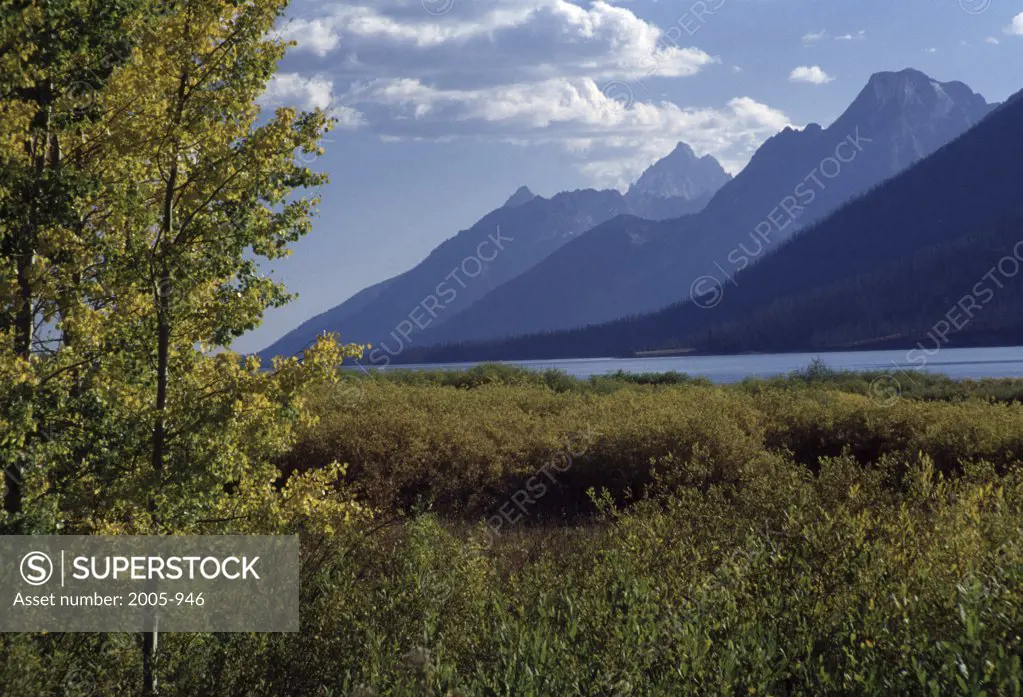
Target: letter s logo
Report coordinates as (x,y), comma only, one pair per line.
(36,568)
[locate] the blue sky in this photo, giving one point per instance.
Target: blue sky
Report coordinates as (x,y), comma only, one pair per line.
(445,107)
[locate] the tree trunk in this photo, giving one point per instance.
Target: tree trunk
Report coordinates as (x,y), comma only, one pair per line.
(150,640)
(163,291)
(38,148)
(162,368)
(23,325)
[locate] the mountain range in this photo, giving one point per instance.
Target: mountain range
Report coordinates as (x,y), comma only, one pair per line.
(628,266)
(468,266)
(684,231)
(930,258)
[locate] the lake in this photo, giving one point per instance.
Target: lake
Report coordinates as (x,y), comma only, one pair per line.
(962,363)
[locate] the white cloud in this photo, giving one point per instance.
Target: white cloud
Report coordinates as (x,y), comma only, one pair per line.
(516,39)
(347,117)
(932,50)
(992,40)
(611,136)
(316,35)
(813,75)
(292,89)
(555,73)
(1016,28)
(815,37)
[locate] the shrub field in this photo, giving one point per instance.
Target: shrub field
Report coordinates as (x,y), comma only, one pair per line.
(529,534)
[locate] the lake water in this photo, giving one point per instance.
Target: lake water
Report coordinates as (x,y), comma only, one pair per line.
(957,363)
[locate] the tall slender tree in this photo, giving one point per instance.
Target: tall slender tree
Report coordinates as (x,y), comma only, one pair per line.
(208,185)
(55,55)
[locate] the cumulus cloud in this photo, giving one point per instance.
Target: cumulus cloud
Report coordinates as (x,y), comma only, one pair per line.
(602,124)
(532,72)
(992,40)
(292,89)
(1016,28)
(512,39)
(858,36)
(316,35)
(346,117)
(814,36)
(813,75)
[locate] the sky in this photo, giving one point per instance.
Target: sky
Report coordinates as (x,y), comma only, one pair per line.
(445,107)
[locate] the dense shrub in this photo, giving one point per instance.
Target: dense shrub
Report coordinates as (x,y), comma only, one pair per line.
(465,450)
(784,583)
(783,537)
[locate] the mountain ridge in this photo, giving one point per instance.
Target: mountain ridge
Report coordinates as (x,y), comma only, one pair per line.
(855,279)
(538,226)
(620,268)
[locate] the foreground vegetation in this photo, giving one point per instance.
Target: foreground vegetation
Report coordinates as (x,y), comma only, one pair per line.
(531,534)
(846,583)
(461,443)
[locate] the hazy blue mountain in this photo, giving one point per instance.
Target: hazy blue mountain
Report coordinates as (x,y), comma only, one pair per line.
(628,266)
(500,246)
(930,256)
(680,175)
(521,195)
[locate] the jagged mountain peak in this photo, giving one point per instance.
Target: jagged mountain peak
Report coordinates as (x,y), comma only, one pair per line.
(682,150)
(681,174)
(522,195)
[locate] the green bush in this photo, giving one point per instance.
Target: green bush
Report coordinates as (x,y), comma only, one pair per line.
(784,583)
(464,450)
